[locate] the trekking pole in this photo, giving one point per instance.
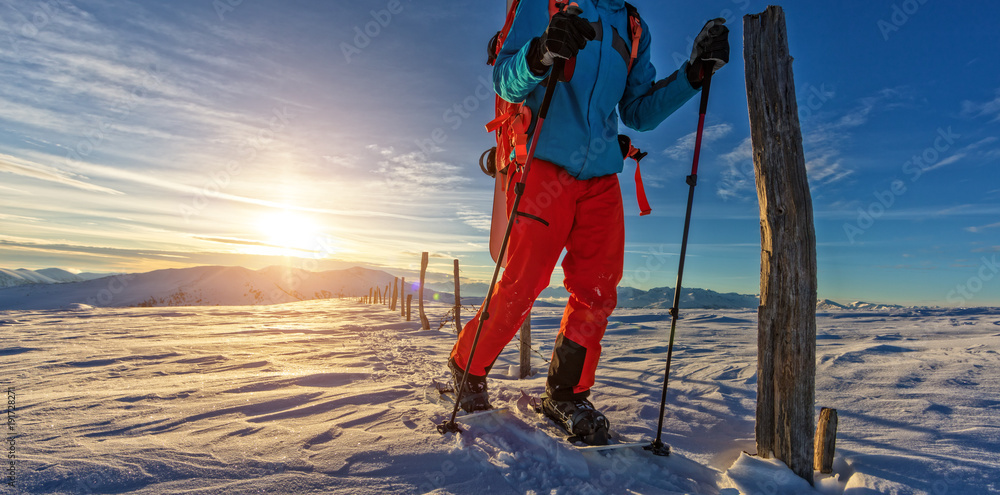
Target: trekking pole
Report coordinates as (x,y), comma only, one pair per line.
(543,110)
(657,446)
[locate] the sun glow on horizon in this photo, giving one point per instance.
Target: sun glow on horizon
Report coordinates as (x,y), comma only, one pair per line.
(290,233)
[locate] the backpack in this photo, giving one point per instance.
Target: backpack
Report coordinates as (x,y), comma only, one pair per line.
(513,120)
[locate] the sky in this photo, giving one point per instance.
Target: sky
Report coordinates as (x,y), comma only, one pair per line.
(143,135)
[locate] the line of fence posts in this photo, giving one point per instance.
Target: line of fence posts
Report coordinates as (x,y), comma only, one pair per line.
(389,299)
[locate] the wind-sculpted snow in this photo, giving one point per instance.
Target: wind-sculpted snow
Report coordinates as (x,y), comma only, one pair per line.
(330,397)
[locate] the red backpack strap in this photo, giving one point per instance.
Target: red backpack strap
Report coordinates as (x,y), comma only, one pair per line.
(498,39)
(629,151)
(635,32)
(640,189)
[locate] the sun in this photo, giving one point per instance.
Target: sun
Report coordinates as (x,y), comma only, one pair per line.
(290,232)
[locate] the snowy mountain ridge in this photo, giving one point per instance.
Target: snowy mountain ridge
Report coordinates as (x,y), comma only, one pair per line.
(22,276)
(197,286)
(54,288)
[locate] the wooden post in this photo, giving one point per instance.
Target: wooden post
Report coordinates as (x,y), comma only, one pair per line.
(395,291)
(526,347)
(371,293)
(402,298)
(826,440)
(458,302)
(385,296)
(425,324)
(786,335)
(409,301)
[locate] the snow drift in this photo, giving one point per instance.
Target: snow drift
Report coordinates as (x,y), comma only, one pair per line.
(329,397)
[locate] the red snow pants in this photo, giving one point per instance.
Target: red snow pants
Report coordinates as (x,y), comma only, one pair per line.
(557,211)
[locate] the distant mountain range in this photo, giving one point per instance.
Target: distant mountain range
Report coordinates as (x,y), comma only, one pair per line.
(198,286)
(13,278)
(827,305)
(53,288)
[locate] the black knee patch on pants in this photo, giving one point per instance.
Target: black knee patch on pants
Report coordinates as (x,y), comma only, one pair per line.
(566,370)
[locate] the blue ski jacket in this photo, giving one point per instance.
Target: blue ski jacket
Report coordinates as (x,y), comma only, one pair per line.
(581,131)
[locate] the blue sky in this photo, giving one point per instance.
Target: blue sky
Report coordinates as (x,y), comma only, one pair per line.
(142,135)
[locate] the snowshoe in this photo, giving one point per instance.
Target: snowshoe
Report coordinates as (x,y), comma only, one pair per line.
(579,418)
(475,396)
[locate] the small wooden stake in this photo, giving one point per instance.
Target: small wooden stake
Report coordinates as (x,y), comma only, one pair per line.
(826,440)
(409,303)
(395,290)
(424,322)
(458,302)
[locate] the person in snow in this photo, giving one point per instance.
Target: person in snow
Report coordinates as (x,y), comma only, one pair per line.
(572,198)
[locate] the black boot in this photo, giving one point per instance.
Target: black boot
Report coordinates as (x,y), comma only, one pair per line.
(579,418)
(475,397)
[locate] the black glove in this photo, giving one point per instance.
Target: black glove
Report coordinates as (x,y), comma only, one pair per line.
(566,35)
(710,52)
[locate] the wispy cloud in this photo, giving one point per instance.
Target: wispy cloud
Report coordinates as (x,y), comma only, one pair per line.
(685,145)
(823,142)
(413,172)
(16,166)
(737,180)
(827,168)
(983,108)
(983,227)
(475,219)
(246,242)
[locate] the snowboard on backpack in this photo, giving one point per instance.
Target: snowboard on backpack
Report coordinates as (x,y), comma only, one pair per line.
(498,222)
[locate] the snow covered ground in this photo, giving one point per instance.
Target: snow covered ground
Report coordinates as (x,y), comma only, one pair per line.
(329,396)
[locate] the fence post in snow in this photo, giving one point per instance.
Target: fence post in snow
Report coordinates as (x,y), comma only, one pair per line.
(458,302)
(424,323)
(409,301)
(786,332)
(402,298)
(395,291)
